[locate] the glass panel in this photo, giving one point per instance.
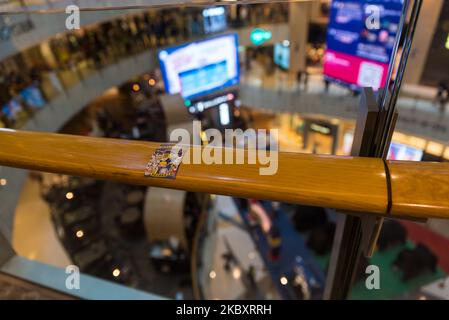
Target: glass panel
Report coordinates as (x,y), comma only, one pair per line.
(294,67)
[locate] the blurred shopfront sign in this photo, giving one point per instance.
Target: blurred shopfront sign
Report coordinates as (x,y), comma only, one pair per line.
(259,36)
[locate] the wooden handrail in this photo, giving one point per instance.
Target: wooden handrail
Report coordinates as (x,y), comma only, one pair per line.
(346,183)
(420,189)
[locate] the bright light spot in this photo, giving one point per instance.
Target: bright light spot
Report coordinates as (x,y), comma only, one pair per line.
(422,298)
(152,82)
(335,121)
(79,234)
(116,272)
(163,55)
(285,43)
(224,114)
(284,281)
(320,129)
(212,274)
(3,182)
(447,42)
(69,195)
(136,87)
(236,273)
(204,137)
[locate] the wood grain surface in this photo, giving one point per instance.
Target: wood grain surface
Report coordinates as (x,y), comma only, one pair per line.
(346,183)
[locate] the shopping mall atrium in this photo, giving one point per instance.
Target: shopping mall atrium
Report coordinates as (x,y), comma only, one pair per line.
(117,119)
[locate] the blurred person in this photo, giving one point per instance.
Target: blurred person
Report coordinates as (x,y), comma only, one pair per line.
(229,259)
(35,74)
(416,262)
(302,78)
(393,234)
(274,239)
(251,274)
(148,28)
(306,80)
(159,30)
(5,94)
(243,15)
(326,85)
(195,25)
(442,96)
(97,48)
(321,238)
(315,148)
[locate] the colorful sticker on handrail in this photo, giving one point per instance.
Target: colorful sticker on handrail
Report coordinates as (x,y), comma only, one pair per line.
(165,161)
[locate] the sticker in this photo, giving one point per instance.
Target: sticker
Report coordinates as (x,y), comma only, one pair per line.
(165,161)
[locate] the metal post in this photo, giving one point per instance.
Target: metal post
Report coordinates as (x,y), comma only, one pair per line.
(374,129)
(347,247)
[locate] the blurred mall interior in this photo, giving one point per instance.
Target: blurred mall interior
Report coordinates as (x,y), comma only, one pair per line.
(133,73)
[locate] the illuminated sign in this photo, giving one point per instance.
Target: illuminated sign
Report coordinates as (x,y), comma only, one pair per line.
(282,54)
(198,68)
(259,36)
(214,19)
(215,11)
(357,54)
(320,129)
(217,101)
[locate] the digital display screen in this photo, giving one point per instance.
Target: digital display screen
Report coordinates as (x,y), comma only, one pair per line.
(198,68)
(214,19)
(282,55)
(358,52)
(33,96)
(403,152)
